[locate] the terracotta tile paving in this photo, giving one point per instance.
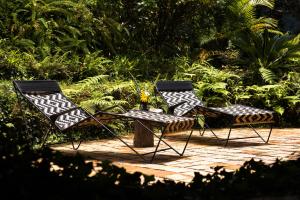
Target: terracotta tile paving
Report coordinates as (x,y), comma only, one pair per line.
(202,154)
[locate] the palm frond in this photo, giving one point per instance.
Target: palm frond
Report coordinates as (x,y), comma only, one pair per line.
(262,23)
(268,3)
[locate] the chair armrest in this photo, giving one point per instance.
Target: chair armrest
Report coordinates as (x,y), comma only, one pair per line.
(172,108)
(54,117)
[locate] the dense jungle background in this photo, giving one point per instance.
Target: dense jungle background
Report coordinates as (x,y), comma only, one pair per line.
(103,52)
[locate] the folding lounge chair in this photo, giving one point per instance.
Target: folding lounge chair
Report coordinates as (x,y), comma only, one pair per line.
(182,101)
(64,116)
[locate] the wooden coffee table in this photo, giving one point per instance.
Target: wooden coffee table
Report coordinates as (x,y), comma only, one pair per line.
(143,136)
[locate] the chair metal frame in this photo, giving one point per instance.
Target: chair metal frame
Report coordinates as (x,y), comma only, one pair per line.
(159,137)
(208,112)
(51,119)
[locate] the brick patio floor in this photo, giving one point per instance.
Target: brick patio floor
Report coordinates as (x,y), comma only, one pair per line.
(202,154)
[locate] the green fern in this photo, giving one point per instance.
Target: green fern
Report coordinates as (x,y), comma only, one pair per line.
(120,86)
(198,71)
(91,82)
(102,103)
(267,75)
(242,13)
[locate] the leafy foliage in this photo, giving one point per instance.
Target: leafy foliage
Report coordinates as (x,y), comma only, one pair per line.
(213,85)
(282,97)
(232,50)
(268,55)
(45,27)
(242,12)
(13,63)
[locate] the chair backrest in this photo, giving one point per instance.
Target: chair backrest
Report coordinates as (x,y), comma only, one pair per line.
(173,86)
(175,92)
(48,98)
(37,86)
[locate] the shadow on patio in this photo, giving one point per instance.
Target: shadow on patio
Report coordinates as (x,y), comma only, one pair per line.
(202,154)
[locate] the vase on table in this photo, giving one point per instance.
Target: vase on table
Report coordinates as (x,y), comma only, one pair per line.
(144,106)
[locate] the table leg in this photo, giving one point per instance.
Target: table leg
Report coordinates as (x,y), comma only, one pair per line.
(143,137)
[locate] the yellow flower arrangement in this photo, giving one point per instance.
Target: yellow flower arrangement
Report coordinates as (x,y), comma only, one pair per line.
(144,96)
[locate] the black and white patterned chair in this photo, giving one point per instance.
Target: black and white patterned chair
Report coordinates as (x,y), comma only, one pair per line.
(182,101)
(63,115)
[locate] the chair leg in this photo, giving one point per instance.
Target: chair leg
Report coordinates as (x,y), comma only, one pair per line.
(187,141)
(156,148)
(160,137)
(73,142)
(22,112)
(161,140)
(45,137)
(230,129)
(201,131)
(118,137)
(265,141)
(207,127)
(142,155)
(269,133)
(228,136)
(78,145)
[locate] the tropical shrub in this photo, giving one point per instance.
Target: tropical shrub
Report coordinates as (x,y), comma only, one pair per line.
(268,56)
(231,51)
(222,87)
(212,85)
(45,27)
(12,118)
(165,28)
(13,63)
(282,97)
(7,100)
